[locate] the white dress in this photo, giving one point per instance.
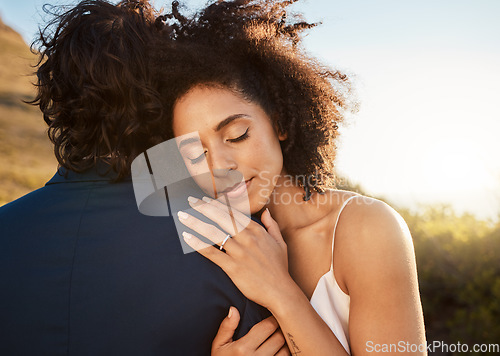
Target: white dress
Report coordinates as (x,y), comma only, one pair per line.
(330,302)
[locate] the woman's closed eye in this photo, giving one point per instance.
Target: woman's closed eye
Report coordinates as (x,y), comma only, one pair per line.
(197,159)
(193,159)
(242,137)
(194,154)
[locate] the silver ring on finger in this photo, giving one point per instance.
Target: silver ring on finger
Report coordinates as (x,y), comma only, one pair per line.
(225,240)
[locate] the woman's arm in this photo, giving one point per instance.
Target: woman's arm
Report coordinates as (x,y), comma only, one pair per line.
(380,277)
(304,330)
(256,261)
(376,264)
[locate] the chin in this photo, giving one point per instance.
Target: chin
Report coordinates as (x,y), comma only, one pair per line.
(258,203)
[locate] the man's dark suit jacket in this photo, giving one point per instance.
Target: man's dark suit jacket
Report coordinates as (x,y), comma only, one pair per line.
(82,272)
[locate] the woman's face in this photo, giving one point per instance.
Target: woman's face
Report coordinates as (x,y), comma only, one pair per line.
(229,145)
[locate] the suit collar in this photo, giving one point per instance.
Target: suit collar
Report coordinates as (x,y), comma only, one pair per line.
(101,172)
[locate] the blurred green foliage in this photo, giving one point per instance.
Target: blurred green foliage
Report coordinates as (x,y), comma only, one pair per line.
(458,260)
(458,263)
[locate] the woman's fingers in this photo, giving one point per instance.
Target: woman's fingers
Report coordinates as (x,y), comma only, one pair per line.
(241,218)
(212,253)
(260,332)
(284,351)
(208,230)
(264,339)
(222,217)
(272,226)
(273,344)
(226,330)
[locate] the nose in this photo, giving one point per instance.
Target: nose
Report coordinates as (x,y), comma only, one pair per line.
(221,161)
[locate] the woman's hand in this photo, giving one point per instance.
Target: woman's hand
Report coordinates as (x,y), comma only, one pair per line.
(264,339)
(255,259)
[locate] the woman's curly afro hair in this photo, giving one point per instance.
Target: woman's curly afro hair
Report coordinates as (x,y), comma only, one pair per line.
(252,47)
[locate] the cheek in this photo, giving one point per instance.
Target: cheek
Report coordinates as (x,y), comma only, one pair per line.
(268,156)
(268,160)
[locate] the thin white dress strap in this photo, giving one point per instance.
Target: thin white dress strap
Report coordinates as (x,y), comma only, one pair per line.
(336,222)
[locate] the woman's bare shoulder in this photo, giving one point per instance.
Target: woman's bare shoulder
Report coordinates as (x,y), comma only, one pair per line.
(365,216)
(373,240)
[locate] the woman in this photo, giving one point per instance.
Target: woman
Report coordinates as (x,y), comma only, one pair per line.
(336,269)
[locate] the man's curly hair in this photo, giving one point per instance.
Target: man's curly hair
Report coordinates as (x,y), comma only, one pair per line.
(253,48)
(94,85)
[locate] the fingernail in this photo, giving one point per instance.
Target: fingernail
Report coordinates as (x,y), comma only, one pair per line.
(230,313)
(192,199)
(206,199)
(268,211)
(186,235)
(182,215)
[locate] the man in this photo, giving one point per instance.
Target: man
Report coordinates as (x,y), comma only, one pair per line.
(82,271)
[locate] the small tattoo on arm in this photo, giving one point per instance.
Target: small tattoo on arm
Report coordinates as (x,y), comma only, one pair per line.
(295,349)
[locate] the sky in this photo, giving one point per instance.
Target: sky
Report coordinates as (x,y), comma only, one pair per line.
(427,76)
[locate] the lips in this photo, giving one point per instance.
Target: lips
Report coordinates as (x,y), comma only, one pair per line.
(237,190)
(234,187)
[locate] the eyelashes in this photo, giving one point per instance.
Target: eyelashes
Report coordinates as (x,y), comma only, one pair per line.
(240,138)
(198,159)
(232,140)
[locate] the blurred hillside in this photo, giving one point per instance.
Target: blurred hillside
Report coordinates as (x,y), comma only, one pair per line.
(26,158)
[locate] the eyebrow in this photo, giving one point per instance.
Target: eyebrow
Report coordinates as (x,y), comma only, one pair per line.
(188,141)
(228,120)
